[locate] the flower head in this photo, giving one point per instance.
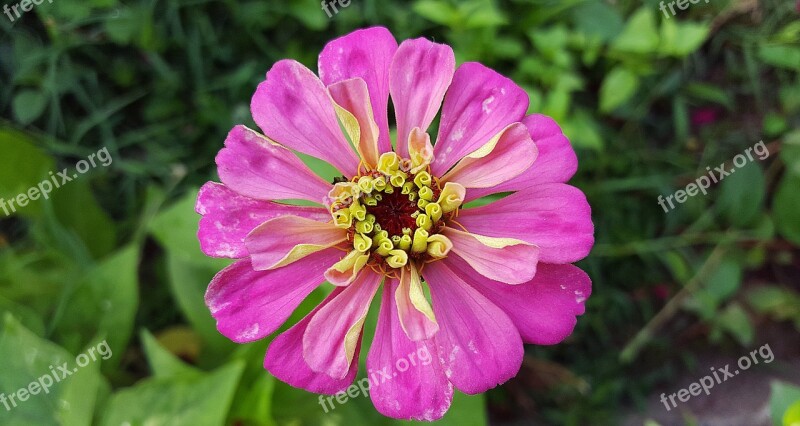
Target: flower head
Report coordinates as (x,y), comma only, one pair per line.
(498,275)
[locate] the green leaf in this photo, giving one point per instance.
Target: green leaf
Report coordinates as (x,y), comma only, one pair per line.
(618,86)
(792,415)
(735,321)
(176,230)
(786,208)
(162,362)
(742,195)
(639,35)
(724,282)
(597,19)
(28,105)
(783,396)
(103,305)
(176,401)
(436,11)
(188,282)
(28,359)
(680,39)
(790,152)
(22,166)
(781,56)
(76,209)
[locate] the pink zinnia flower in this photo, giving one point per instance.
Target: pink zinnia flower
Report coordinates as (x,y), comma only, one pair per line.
(499,275)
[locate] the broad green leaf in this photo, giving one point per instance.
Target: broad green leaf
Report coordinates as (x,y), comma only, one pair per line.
(103,305)
(724,282)
(437,11)
(680,39)
(76,209)
(790,152)
(783,396)
(735,321)
(742,194)
(792,416)
(28,359)
(618,86)
(639,35)
(22,167)
(163,363)
(597,19)
(786,208)
(28,105)
(176,401)
(781,56)
(188,282)
(176,230)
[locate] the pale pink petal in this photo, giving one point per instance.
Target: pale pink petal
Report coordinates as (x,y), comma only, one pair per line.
(509,260)
(332,335)
(366,54)
(544,309)
(287,239)
(556,163)
(228,217)
(418,79)
(352,95)
(478,345)
(504,157)
(256,167)
(249,305)
(407,380)
(416,315)
(284,359)
(294,108)
(554,216)
(478,105)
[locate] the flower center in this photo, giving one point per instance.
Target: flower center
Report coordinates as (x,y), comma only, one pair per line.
(394,213)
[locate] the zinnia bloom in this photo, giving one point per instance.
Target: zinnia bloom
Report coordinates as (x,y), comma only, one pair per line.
(499,275)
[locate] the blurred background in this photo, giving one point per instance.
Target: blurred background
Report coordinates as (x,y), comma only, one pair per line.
(649,100)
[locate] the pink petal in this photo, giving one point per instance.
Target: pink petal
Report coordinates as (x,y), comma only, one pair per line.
(554,216)
(366,54)
(478,345)
(249,305)
(353,96)
(293,108)
(284,359)
(509,153)
(407,380)
(508,260)
(287,239)
(417,319)
(556,163)
(418,79)
(543,309)
(259,168)
(228,217)
(334,331)
(478,105)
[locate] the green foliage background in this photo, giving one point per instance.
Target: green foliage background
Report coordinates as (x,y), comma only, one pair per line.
(114,255)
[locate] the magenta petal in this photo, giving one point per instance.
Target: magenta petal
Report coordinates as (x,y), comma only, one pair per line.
(284,359)
(478,345)
(419,76)
(556,163)
(249,305)
(228,217)
(288,239)
(334,331)
(544,309)
(478,105)
(294,108)
(554,216)
(512,262)
(366,54)
(407,381)
(258,168)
